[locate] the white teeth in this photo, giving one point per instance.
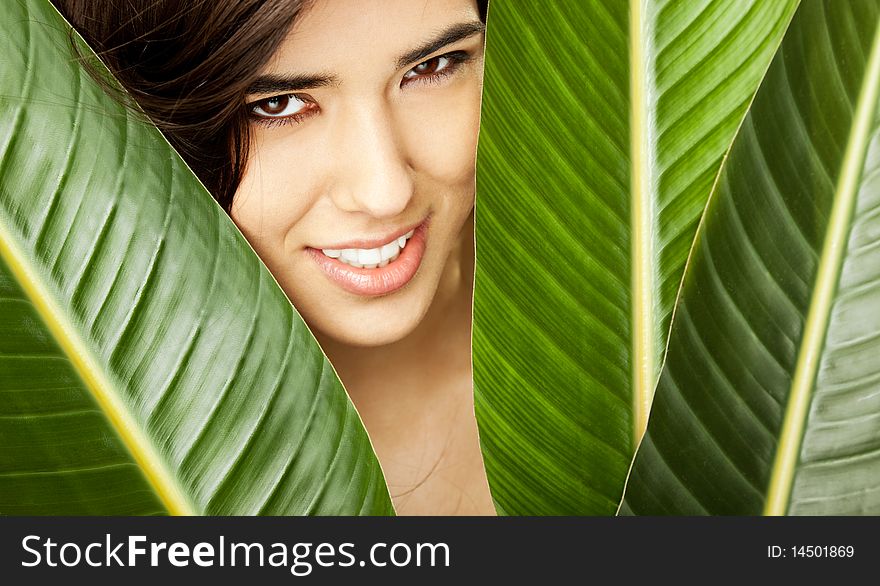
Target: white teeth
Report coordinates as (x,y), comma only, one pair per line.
(370,258)
(389,250)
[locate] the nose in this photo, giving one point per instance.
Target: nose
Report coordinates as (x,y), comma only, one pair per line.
(373,172)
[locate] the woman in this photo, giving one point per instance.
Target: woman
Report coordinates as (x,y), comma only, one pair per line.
(341,138)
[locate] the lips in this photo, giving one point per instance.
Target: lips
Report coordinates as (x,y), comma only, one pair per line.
(348,265)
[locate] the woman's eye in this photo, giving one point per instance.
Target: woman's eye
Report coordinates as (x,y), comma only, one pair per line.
(280,107)
(429,68)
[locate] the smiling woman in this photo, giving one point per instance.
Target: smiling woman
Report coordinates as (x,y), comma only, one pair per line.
(341,138)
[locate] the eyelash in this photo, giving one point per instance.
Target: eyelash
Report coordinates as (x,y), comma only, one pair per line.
(273,121)
(456,60)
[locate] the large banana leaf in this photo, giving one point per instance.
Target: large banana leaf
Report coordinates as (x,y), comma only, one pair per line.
(769,400)
(604,127)
(149,363)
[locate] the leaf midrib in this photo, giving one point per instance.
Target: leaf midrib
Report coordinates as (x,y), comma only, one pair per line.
(642,222)
(94,378)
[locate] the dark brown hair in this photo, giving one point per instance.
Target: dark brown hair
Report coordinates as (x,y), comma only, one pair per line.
(187,65)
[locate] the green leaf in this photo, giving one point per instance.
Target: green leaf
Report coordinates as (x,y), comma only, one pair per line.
(604,127)
(149,363)
(769,400)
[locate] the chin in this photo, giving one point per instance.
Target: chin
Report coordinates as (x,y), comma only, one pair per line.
(366,338)
(370,327)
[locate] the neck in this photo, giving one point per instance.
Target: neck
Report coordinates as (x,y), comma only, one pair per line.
(420,413)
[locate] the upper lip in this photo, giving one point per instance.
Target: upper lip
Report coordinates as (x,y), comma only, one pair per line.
(367,243)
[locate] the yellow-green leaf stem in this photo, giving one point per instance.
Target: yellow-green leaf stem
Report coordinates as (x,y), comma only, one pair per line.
(643,218)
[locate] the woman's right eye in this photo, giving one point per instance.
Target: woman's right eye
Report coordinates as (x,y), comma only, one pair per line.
(278,107)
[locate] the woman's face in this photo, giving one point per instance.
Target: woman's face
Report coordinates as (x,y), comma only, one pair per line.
(361,175)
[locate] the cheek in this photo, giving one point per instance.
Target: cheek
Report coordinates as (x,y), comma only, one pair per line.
(443,137)
(273,195)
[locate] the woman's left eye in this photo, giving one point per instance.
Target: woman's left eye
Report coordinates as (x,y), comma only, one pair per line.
(433,68)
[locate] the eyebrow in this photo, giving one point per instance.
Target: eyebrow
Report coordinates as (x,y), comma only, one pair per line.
(272,84)
(452,34)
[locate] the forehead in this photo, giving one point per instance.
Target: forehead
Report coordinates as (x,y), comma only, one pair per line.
(334,34)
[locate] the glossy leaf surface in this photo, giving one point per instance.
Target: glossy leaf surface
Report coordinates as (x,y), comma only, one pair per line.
(769,401)
(149,363)
(604,127)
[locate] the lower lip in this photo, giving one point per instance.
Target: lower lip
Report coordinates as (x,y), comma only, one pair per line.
(378,281)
